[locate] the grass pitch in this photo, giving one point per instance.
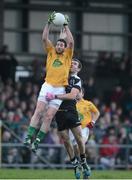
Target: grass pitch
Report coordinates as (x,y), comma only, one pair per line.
(60,174)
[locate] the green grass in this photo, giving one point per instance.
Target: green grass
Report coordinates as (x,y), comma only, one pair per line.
(60,174)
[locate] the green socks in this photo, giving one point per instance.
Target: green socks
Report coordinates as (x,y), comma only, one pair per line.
(40,136)
(31,131)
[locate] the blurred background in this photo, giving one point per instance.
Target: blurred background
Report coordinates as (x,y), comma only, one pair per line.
(102,30)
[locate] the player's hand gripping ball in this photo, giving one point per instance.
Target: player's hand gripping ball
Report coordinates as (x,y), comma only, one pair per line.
(51,17)
(66,20)
(59,19)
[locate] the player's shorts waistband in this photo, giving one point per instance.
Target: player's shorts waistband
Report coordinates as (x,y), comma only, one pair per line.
(55,86)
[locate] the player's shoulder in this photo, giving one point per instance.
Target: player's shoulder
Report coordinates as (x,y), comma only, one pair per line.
(74,79)
(90,104)
(74,76)
(87,102)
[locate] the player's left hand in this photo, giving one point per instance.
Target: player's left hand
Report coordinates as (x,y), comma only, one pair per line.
(91,125)
(50,96)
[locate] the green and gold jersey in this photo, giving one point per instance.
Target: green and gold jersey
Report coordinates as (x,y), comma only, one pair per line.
(85,109)
(58,66)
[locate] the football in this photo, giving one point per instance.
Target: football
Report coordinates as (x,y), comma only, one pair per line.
(59,19)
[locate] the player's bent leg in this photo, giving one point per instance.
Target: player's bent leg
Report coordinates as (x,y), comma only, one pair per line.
(34,123)
(67,143)
(77,131)
(47,119)
(69,148)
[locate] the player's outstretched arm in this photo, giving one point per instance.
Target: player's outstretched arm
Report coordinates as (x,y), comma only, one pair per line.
(70,40)
(45,35)
(69,36)
(63,34)
(68,96)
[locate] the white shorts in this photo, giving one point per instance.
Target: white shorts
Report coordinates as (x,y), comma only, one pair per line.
(85,135)
(54,90)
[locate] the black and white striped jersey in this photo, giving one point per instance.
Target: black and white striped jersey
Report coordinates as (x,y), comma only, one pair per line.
(74,82)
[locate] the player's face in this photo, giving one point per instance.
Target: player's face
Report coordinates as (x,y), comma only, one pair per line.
(60,47)
(74,67)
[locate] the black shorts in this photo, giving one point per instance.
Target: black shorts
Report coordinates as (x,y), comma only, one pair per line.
(67,120)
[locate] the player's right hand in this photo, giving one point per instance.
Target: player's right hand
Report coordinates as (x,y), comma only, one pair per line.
(51,17)
(66,20)
(50,96)
(91,125)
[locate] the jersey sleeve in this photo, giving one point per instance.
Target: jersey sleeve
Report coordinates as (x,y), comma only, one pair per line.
(93,108)
(70,52)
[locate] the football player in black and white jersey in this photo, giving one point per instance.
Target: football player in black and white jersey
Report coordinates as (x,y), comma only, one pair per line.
(67,119)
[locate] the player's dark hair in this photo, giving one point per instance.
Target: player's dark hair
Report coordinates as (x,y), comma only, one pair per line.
(62,40)
(79,63)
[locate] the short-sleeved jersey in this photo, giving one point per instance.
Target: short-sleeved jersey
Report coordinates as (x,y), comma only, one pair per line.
(74,82)
(67,116)
(58,66)
(85,108)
